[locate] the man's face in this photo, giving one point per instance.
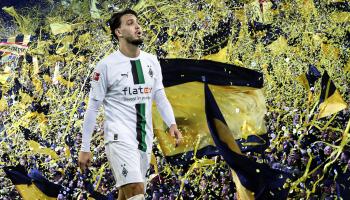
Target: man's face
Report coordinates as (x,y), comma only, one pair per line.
(130,30)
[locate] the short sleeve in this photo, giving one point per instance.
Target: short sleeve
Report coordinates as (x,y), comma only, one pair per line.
(98,83)
(158,83)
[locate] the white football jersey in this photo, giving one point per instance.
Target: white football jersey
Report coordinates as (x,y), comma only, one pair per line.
(126,87)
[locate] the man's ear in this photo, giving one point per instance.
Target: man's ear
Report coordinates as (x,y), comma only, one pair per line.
(118,33)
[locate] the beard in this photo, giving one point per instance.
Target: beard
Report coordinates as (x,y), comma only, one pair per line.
(136,42)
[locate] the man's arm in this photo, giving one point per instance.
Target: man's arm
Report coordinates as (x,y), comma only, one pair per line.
(164,107)
(90,116)
(163,104)
(97,94)
(167,114)
(89,123)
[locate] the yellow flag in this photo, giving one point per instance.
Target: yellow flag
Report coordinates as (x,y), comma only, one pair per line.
(243,107)
(330,99)
(35,147)
(331,105)
(220,56)
(303,80)
(57,28)
(279,46)
(30,192)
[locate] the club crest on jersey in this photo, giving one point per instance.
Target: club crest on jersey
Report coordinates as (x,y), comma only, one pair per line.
(150,71)
(96,76)
(124,171)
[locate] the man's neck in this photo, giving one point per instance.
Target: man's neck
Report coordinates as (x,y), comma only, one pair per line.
(129,50)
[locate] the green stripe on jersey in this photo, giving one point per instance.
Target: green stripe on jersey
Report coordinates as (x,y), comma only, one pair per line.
(141,126)
(137,73)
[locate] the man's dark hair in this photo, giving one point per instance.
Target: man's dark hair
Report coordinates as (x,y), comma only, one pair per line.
(114,21)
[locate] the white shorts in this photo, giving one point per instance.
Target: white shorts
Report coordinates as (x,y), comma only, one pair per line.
(129,165)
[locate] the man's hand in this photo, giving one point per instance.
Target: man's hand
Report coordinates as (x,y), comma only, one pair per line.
(84,160)
(174,132)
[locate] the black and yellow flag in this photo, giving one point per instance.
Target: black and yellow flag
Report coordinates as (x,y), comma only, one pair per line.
(253,180)
(239,95)
(330,100)
(32,186)
(308,79)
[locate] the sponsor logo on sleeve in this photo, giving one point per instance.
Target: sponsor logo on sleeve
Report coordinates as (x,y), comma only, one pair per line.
(95,76)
